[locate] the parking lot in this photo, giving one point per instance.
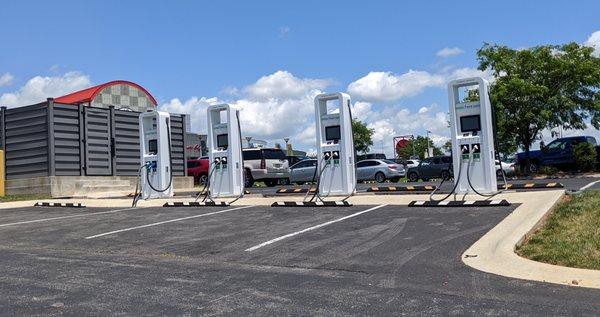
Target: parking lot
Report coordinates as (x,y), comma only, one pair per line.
(248,260)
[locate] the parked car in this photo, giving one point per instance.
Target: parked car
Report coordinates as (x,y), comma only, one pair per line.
(558,153)
(411,163)
(370,156)
(508,168)
(199,169)
(303,171)
(267,165)
(294,159)
(431,167)
(379,170)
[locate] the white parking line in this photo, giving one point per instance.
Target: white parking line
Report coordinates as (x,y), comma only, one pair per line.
(589,185)
(258,246)
(66,217)
(166,221)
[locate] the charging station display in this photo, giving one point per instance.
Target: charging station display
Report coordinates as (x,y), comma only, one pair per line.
(335,146)
(155,154)
(472,135)
(226,178)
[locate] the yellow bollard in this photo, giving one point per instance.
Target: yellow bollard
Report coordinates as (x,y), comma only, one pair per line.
(2,173)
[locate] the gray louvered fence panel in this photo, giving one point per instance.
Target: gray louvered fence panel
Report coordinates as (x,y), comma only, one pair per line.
(98,153)
(66,140)
(26,134)
(177,146)
(127,142)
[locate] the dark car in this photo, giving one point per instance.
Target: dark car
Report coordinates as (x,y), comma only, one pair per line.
(431,167)
(558,153)
(199,169)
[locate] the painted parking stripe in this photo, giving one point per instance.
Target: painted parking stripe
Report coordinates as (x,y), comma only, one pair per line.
(67,217)
(164,222)
(258,246)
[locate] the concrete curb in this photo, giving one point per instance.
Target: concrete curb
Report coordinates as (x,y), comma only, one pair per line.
(495,251)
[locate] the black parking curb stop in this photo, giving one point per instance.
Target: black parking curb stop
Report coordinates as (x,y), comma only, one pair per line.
(295,190)
(401,188)
(69,205)
(532,186)
(460,203)
(311,204)
(196,204)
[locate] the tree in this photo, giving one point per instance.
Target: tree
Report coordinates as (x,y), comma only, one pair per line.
(362,136)
(420,144)
(541,88)
(448,146)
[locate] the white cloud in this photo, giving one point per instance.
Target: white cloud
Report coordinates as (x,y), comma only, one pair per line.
(6,79)
(449,51)
(275,106)
(283,84)
(594,41)
(387,86)
(38,88)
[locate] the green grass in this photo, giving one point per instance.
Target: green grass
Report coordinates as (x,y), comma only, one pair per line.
(8,198)
(571,235)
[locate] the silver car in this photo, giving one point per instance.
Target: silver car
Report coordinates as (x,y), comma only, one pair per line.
(379,170)
(303,171)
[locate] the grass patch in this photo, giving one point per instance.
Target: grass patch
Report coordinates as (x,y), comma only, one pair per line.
(571,235)
(8,198)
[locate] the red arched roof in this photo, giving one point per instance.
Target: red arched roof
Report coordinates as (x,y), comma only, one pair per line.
(88,94)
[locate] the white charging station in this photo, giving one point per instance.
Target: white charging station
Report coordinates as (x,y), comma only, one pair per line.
(225,152)
(335,145)
(471,126)
(155,155)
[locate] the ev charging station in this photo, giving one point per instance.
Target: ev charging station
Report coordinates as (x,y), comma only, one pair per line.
(335,144)
(155,155)
(226,177)
(472,133)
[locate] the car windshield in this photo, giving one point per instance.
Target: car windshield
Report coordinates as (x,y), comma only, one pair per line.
(274,154)
(555,145)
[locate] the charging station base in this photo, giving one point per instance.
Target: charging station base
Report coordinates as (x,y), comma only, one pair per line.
(196,204)
(311,204)
(459,203)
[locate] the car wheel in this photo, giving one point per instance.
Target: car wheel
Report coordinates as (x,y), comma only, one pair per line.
(284,181)
(499,173)
(445,175)
(248,180)
(202,179)
(379,177)
(534,168)
(413,177)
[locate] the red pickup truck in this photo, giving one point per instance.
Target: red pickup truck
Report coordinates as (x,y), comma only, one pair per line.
(199,169)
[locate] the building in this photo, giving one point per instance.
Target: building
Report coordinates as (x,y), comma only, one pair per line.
(84,142)
(195,145)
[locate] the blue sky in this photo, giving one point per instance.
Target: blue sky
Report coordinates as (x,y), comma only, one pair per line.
(271,57)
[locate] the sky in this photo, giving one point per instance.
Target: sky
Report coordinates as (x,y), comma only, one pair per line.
(271,58)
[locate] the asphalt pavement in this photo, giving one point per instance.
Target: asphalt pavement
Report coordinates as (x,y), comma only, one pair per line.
(361,260)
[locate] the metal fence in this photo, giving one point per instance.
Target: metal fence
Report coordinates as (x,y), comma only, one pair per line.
(80,141)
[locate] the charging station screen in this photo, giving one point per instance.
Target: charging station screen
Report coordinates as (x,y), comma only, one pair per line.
(222,140)
(152,146)
(333,133)
(470,123)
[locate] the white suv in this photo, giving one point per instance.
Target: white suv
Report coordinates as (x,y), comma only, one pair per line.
(268,165)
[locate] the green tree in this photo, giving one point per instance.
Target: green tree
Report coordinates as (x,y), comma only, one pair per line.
(362,136)
(541,88)
(447,146)
(420,144)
